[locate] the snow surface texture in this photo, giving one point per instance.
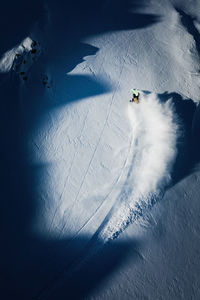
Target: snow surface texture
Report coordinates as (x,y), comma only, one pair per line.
(6,62)
(153,151)
(87,163)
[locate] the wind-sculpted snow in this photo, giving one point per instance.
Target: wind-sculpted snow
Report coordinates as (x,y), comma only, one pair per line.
(154,137)
(7,60)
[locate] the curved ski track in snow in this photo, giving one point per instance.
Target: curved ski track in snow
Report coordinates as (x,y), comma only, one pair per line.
(154,130)
(143,178)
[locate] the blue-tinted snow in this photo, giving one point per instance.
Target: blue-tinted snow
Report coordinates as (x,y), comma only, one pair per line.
(76,167)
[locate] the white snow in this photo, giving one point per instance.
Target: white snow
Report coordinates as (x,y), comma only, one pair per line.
(148,171)
(98,163)
(7,59)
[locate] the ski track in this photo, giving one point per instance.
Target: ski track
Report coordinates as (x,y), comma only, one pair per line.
(102,131)
(154,126)
(66,181)
(92,157)
(155,133)
(117,181)
(143,178)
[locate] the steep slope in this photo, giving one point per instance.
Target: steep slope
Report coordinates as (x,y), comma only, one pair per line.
(96,163)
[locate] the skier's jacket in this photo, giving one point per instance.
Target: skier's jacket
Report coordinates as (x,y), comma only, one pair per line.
(135,92)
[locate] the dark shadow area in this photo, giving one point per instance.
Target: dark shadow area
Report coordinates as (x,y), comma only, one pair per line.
(16,20)
(194,148)
(85,272)
(28,264)
(196,139)
(189,141)
(193,156)
(98,17)
(37,274)
(188,23)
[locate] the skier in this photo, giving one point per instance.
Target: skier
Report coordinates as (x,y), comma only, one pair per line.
(135,97)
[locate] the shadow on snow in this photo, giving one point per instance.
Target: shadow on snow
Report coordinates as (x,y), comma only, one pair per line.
(29,264)
(188,142)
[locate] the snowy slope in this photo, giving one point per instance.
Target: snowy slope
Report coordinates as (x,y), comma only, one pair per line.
(93,163)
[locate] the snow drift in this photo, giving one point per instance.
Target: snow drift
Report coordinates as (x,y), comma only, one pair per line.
(147,174)
(8,58)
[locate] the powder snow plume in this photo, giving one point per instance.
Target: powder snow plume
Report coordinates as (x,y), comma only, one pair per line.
(148,172)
